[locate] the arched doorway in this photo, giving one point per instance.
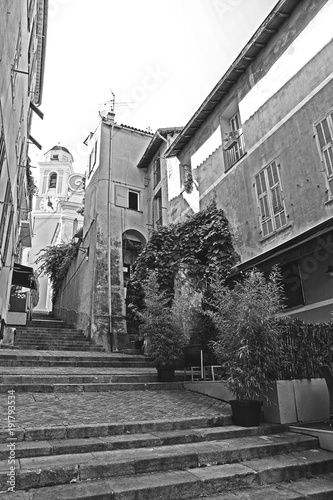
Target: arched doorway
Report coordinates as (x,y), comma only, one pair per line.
(132,244)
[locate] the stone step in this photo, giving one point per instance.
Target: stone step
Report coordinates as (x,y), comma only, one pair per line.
(79,363)
(53,340)
(37,379)
(51,335)
(58,348)
(69,357)
(169,486)
(52,346)
(56,327)
(122,428)
(92,387)
(26,449)
(217,465)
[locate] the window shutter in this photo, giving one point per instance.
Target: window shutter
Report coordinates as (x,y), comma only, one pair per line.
(272,210)
(121,195)
(324,131)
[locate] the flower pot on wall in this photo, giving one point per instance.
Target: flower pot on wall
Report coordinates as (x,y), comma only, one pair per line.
(246,413)
(165,374)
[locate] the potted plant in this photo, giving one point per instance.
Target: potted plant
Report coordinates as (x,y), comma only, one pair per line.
(160,330)
(248,339)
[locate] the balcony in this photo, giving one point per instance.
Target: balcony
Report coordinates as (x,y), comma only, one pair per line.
(234,147)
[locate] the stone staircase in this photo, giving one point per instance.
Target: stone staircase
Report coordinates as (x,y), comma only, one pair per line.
(161,458)
(185,459)
(52,334)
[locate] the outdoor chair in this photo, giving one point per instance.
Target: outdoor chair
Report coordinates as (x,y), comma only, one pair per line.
(199,360)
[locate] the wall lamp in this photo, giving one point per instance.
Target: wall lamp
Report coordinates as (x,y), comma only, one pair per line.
(76,241)
(84,250)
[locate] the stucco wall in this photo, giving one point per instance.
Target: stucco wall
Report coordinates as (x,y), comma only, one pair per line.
(282,94)
(91,305)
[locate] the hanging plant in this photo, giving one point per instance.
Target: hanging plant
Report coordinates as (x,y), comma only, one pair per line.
(188,183)
(55,261)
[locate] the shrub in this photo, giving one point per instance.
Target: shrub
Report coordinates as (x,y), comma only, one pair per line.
(248,331)
(158,326)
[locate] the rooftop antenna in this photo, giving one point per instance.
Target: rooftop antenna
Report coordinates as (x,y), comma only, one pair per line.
(110,105)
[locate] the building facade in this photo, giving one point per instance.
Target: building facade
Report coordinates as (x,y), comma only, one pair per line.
(261,146)
(115,229)
(55,215)
(165,180)
(23,30)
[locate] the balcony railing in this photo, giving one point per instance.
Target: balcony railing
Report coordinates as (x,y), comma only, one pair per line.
(234,147)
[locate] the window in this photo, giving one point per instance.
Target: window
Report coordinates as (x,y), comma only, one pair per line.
(92,159)
(126,198)
(157,171)
(324,131)
(55,157)
(2,150)
(53,181)
(157,209)
(271,205)
(234,145)
(6,221)
(17,56)
(133,200)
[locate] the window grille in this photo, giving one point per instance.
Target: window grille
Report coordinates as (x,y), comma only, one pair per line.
(234,142)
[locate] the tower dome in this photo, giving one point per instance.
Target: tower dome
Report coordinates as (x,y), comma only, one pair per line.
(58,153)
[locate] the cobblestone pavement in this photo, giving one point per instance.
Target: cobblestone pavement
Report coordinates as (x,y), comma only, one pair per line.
(37,409)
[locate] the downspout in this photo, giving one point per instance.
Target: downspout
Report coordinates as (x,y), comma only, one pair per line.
(113,337)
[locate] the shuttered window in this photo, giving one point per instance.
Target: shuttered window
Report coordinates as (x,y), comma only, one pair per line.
(272,211)
(126,198)
(6,219)
(324,134)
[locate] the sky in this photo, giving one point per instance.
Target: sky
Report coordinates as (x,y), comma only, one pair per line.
(159,59)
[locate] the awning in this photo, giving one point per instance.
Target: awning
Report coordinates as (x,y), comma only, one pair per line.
(294,248)
(24,276)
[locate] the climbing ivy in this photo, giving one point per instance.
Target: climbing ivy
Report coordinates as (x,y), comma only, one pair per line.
(202,243)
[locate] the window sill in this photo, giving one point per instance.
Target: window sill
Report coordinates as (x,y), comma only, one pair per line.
(134,210)
(277,231)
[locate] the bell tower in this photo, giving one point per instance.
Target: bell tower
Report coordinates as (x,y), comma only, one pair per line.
(55,216)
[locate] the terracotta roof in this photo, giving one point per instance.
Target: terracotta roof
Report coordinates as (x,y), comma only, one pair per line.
(134,128)
(259,40)
(155,144)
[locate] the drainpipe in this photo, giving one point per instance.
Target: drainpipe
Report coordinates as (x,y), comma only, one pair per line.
(113,337)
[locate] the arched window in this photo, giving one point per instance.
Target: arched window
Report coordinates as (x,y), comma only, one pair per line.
(53,180)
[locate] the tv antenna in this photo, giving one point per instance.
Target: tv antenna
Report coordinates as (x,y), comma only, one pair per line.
(111,105)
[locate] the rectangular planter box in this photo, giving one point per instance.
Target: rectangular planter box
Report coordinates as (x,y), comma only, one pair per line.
(16,318)
(293,401)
